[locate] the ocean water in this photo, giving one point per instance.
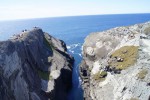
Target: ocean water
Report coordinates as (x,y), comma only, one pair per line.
(72,30)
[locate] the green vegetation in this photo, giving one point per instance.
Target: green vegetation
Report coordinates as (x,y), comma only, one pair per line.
(147,30)
(48,44)
(129,55)
(133,32)
(44,75)
(90,69)
(142,74)
(100,76)
(134,98)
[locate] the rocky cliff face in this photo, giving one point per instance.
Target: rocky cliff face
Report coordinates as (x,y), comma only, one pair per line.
(34,66)
(116,64)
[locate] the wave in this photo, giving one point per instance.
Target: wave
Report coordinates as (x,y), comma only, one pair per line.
(75,48)
(80,82)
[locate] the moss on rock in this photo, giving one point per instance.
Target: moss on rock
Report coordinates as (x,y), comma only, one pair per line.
(129,55)
(45,75)
(134,98)
(100,76)
(147,30)
(48,44)
(142,74)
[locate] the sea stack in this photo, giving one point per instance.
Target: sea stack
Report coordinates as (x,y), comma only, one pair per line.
(116,64)
(34,66)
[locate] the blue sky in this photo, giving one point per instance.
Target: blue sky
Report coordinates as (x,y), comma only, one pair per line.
(22,9)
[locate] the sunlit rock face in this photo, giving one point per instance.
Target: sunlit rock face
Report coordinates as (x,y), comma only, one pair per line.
(34,66)
(116,64)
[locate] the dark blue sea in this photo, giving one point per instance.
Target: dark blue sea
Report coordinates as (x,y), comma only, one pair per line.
(72,30)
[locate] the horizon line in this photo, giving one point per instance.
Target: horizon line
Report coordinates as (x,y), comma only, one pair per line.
(18,19)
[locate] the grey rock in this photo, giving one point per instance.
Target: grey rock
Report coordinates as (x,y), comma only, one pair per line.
(104,71)
(34,66)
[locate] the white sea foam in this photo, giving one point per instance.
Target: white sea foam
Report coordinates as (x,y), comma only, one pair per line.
(80,55)
(72,51)
(73,46)
(80,81)
(68,47)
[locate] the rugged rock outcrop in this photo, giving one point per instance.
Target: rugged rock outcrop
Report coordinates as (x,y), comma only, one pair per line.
(116,64)
(34,66)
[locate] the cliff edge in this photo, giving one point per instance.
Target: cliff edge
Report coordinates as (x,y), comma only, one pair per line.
(116,64)
(34,66)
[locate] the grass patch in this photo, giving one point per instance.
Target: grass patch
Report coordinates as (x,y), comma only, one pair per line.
(100,76)
(147,30)
(48,44)
(44,75)
(134,98)
(129,55)
(90,69)
(142,74)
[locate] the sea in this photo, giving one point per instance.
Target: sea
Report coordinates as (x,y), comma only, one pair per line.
(73,30)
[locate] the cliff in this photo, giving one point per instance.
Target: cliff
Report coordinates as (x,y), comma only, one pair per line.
(34,66)
(116,64)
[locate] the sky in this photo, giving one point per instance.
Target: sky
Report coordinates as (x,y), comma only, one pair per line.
(24,9)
